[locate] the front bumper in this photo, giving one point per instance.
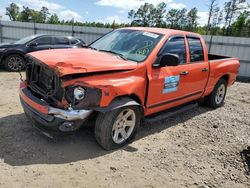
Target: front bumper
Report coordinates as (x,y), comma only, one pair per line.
(69,115)
(49,119)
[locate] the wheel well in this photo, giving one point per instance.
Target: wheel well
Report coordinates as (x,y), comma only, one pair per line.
(132,96)
(135,98)
(225,77)
(120,101)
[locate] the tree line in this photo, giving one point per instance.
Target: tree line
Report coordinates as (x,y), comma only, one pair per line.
(27,14)
(233,19)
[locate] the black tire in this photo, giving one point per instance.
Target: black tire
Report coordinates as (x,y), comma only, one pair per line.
(105,123)
(14,63)
(201,102)
(211,99)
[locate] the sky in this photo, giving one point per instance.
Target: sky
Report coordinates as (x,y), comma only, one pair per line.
(104,10)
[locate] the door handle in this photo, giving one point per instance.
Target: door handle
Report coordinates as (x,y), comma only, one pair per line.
(204,70)
(184,73)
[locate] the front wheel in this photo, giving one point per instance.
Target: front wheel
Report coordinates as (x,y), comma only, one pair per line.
(216,98)
(116,128)
(14,63)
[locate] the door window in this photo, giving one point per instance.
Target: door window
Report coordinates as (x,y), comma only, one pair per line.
(176,46)
(196,50)
(43,41)
(61,41)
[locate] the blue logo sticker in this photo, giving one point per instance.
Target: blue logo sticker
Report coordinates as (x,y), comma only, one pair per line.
(171,84)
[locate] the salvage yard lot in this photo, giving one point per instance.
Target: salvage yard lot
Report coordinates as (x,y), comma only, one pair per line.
(198,148)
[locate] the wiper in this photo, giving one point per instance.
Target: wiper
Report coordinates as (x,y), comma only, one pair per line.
(116,53)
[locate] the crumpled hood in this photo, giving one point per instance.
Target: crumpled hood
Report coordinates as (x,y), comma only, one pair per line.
(73,61)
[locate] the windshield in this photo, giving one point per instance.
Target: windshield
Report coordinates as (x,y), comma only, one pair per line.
(129,44)
(25,40)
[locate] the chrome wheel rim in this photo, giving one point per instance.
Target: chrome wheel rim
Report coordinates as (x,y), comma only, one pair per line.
(220,94)
(123,126)
(15,63)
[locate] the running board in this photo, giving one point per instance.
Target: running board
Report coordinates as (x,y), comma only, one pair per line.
(171,112)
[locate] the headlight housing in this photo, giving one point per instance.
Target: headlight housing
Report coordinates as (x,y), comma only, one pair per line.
(79,93)
(80,97)
(2,49)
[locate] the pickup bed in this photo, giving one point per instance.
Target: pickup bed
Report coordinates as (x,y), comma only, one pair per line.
(121,78)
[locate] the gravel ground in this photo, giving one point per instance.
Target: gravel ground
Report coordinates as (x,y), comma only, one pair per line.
(199,148)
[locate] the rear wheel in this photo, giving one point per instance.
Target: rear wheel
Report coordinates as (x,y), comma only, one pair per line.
(14,63)
(118,127)
(216,98)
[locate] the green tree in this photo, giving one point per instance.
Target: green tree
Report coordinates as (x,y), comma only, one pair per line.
(144,16)
(114,25)
(201,30)
(35,16)
(212,10)
(215,23)
(232,8)
(192,18)
(148,15)
(44,13)
(236,21)
(160,11)
(25,15)
(241,27)
(176,18)
(13,11)
(53,19)
(131,16)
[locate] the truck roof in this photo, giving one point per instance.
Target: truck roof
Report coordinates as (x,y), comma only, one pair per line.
(163,31)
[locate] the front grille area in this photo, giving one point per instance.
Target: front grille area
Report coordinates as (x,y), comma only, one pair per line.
(43,82)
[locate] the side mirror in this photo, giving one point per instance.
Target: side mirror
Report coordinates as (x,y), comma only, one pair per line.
(33,44)
(167,59)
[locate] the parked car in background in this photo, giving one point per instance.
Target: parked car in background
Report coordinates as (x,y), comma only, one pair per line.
(12,54)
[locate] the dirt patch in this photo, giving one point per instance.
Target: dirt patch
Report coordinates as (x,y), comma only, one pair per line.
(200,148)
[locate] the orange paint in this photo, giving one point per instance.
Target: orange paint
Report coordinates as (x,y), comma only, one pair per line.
(41,108)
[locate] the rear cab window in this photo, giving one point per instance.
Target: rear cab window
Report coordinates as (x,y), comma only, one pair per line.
(195,49)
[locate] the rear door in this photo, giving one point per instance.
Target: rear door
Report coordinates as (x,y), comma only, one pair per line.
(198,65)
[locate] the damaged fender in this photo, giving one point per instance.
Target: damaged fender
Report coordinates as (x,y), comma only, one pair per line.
(118,103)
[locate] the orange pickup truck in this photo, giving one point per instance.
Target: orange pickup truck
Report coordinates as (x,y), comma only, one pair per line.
(126,76)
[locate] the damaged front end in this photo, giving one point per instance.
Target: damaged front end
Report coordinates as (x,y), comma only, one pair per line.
(44,83)
(50,106)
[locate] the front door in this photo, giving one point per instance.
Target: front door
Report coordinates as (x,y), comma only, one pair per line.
(42,43)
